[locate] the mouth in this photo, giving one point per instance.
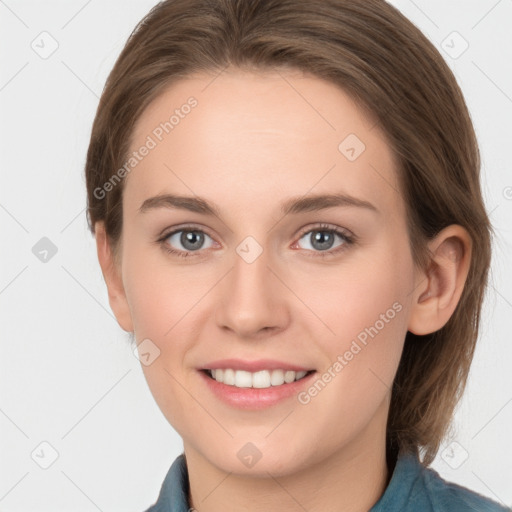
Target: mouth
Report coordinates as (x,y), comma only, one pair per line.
(261,379)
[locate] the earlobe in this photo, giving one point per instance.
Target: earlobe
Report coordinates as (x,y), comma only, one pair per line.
(112,274)
(441,286)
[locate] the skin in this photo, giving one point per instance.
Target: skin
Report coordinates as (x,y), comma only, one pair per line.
(252,142)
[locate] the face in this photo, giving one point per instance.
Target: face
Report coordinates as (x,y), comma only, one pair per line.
(289,257)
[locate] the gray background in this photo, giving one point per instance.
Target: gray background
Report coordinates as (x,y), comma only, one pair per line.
(68,376)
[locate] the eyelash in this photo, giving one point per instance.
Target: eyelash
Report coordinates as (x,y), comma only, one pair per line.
(347,239)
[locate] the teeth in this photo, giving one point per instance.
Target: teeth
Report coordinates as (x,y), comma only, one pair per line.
(261,379)
(243,379)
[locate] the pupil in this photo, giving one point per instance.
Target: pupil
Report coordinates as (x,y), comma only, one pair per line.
(321,239)
(192,240)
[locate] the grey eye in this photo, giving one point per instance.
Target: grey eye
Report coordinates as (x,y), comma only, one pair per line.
(190,240)
(321,239)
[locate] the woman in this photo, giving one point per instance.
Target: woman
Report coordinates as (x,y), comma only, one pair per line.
(286,202)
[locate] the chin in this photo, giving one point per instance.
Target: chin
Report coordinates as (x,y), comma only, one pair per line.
(248,459)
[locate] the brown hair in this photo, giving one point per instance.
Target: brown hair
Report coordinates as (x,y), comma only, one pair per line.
(377,56)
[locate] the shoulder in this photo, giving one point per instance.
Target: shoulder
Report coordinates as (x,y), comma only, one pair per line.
(415,487)
(449,496)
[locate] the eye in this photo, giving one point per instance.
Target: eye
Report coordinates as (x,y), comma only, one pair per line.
(323,238)
(184,241)
(189,241)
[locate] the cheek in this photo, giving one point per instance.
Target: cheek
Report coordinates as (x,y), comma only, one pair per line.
(366,293)
(366,311)
(159,292)
(358,375)
(162,299)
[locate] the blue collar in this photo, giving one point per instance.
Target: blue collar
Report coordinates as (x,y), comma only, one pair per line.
(174,492)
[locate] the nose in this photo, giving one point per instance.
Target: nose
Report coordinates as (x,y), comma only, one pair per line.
(252,301)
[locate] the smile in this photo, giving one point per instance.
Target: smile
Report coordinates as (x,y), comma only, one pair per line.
(260,380)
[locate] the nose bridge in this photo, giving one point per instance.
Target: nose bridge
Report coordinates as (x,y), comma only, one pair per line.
(251,298)
(251,266)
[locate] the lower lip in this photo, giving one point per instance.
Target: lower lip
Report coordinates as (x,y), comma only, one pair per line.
(255,398)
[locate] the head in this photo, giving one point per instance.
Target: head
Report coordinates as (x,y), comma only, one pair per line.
(253,109)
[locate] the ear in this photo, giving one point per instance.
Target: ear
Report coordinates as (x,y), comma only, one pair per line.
(440,287)
(111,270)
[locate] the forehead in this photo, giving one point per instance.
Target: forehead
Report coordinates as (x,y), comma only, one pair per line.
(271,134)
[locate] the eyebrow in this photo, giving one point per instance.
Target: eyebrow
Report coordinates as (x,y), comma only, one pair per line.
(293,205)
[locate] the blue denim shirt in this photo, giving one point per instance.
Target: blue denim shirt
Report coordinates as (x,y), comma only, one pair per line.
(413,487)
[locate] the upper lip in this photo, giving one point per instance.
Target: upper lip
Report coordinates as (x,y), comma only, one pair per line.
(254,366)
